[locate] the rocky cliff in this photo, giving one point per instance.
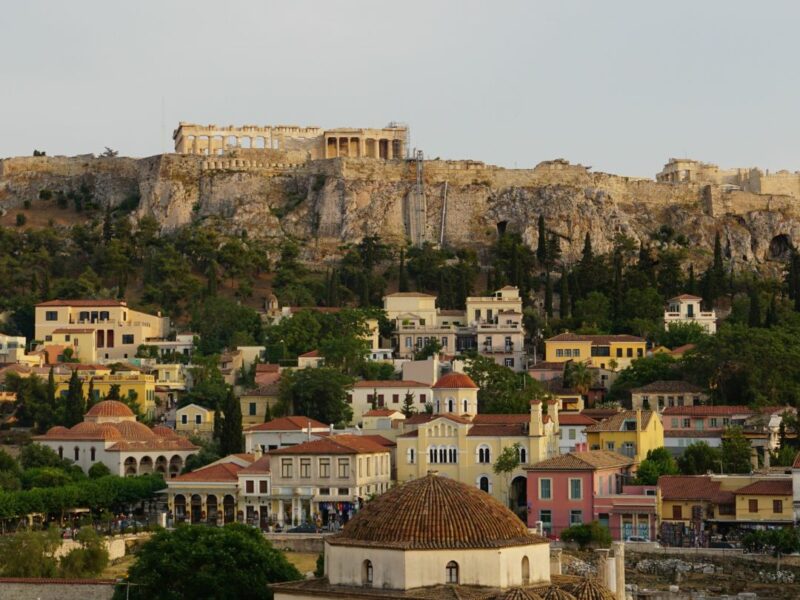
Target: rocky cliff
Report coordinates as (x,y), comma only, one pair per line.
(328,203)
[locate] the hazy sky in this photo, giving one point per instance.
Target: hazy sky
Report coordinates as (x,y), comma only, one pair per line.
(620,86)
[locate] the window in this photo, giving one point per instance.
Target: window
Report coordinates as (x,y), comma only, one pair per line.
(93,454)
(252,409)
(567,352)
(575,517)
(629,449)
(51,315)
(687,423)
(452,572)
(629,353)
(411,456)
(777,506)
(677,511)
(262,486)
(575,489)
(286,468)
(698,424)
(571,433)
(576,352)
(444,341)
(545,489)
(104,315)
(433,457)
(452,455)
(483,484)
(67,338)
(484,455)
(83,315)
(526,570)
(349,398)
(619,352)
(344,468)
(249,486)
(546,517)
(674,422)
(752,505)
(395,398)
(343,491)
(409,342)
(305,468)
(325,467)
(184,419)
(324,491)
(366,572)
(639,353)
(523,455)
(714,423)
(198,419)
(77,453)
(422,398)
(509,362)
(610,446)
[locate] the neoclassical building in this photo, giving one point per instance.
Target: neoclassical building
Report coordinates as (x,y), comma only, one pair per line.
(110,434)
(464,445)
(436,538)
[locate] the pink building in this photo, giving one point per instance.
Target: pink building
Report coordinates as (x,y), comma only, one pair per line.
(580,487)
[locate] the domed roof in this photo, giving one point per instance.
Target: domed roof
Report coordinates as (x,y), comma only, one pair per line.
(164,432)
(110,408)
(435,512)
(518,594)
(85,428)
(591,589)
(108,431)
(131,430)
(453,381)
(556,593)
(57,430)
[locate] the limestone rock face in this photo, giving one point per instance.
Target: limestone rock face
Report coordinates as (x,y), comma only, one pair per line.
(328,203)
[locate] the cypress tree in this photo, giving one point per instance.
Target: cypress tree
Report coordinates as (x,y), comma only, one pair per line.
(541,246)
(402,284)
(563,300)
(772,313)
(231,439)
(74,405)
(754,318)
(553,249)
(90,394)
(548,295)
(211,283)
(587,255)
(691,284)
(51,411)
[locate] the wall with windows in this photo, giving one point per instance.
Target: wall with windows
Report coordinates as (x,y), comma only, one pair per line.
(766,508)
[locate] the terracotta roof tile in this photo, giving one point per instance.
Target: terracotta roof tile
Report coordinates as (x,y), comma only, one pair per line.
(681,350)
(685,297)
(688,487)
(335,444)
(294,423)
(110,408)
(569,419)
(453,381)
(616,422)
(766,487)
(389,383)
(82,303)
(589,460)
(381,412)
(667,387)
(706,411)
(596,340)
(435,512)
(216,472)
(259,467)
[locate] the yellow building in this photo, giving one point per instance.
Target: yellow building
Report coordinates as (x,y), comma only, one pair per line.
(131,382)
(255,402)
(631,433)
(80,341)
(194,419)
(464,446)
(117,330)
(765,501)
(613,352)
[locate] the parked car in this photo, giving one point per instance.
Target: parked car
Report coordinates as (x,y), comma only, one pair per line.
(304,528)
(636,538)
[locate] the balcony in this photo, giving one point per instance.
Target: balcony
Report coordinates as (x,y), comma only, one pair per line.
(502,349)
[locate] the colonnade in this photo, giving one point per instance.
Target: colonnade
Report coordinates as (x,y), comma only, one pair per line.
(368,147)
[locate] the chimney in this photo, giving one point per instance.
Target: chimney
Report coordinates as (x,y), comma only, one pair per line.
(535,427)
(330,428)
(308,430)
(552,412)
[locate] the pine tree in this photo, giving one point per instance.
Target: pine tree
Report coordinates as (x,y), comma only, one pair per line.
(564,300)
(90,394)
(212,281)
(541,246)
(231,437)
(548,295)
(408,405)
(553,249)
(754,318)
(74,405)
(772,313)
(402,284)
(691,284)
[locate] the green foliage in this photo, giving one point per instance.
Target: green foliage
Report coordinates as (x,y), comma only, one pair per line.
(658,367)
(88,560)
(231,439)
(206,562)
(431,348)
(219,321)
(698,459)
(657,463)
(377,371)
(501,390)
(319,571)
(594,312)
(21,219)
(29,554)
(98,470)
(408,405)
(448,274)
(736,451)
(209,452)
(779,541)
(74,404)
(33,456)
(45,477)
(588,534)
(316,393)
(680,334)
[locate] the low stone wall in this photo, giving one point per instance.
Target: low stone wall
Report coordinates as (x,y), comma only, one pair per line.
(298,542)
(56,589)
(117,546)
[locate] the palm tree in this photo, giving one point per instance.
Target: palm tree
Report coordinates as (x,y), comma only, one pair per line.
(581,378)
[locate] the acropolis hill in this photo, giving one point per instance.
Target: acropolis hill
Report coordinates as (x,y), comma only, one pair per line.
(333,186)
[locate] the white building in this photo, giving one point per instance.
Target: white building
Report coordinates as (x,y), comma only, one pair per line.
(388,393)
(572,431)
(12,348)
(283,432)
(110,434)
(686,309)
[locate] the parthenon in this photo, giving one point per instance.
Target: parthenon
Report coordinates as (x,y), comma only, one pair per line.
(213,140)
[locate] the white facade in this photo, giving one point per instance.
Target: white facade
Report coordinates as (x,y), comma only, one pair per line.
(571,436)
(686,309)
(388,394)
(12,348)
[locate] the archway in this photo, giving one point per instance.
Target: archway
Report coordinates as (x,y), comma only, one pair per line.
(145,465)
(245,142)
(175,466)
(526,570)
(518,496)
(180,508)
(161,465)
(483,483)
(780,247)
(211,509)
(129,466)
(196,508)
(228,509)
(259,143)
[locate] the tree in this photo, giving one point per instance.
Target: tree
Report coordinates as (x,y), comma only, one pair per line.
(578,376)
(98,470)
(594,311)
(30,554)
(698,459)
(658,367)
(754,317)
(500,389)
(218,321)
(231,438)
(74,405)
(736,451)
(113,392)
(657,463)
(346,352)
(587,534)
(431,348)
(33,456)
(564,300)
(206,562)
(548,295)
(506,464)
(680,334)
(88,560)
(541,244)
(402,283)
(408,405)
(316,393)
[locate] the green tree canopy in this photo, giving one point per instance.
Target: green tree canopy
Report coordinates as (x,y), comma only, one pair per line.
(316,393)
(698,459)
(657,463)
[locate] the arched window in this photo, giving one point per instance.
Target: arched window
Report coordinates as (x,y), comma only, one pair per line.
(60,452)
(523,455)
(93,453)
(437,407)
(366,572)
(484,455)
(452,572)
(453,455)
(451,405)
(526,571)
(442,455)
(77,453)
(483,483)
(466,406)
(411,456)
(432,454)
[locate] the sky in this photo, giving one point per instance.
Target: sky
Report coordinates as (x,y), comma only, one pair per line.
(617,85)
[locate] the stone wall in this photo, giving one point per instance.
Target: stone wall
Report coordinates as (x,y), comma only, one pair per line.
(56,589)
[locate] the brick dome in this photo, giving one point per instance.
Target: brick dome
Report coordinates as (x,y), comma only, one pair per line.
(556,593)
(453,381)
(84,429)
(591,589)
(110,408)
(435,512)
(57,430)
(518,594)
(164,432)
(133,431)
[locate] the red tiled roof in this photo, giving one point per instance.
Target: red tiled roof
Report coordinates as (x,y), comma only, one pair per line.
(379,439)
(178,443)
(688,487)
(259,467)
(267,368)
(83,303)
(453,381)
(596,340)
(589,460)
(617,421)
(380,412)
(706,411)
(547,366)
(419,419)
(217,472)
(685,297)
(389,383)
(335,444)
(435,512)
(312,354)
(681,350)
(110,408)
(565,418)
(666,387)
(766,487)
(296,423)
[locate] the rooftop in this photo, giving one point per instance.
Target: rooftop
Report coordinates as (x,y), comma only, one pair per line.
(389,383)
(335,444)
(767,487)
(82,303)
(677,385)
(110,408)
(453,381)
(706,411)
(590,460)
(219,472)
(596,340)
(617,421)
(296,423)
